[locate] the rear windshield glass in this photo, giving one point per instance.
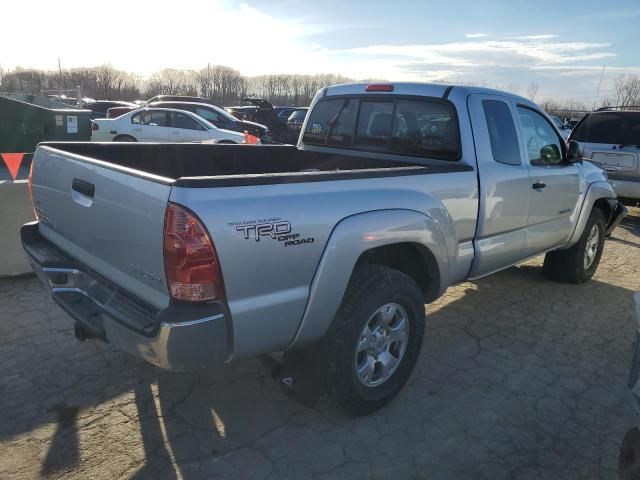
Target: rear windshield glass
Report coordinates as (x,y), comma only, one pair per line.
(422,128)
(622,128)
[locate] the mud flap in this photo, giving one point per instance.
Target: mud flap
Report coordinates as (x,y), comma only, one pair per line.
(301,376)
(618,213)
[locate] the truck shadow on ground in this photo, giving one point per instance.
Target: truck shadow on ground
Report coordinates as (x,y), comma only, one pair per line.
(631,223)
(513,368)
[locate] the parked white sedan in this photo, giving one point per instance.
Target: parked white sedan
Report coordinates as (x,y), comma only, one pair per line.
(160,125)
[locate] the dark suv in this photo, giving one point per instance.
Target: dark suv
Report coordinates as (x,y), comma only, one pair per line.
(99,107)
(294,123)
(219,118)
(611,139)
(263,112)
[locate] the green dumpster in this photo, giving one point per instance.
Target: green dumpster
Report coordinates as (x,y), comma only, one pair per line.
(26,120)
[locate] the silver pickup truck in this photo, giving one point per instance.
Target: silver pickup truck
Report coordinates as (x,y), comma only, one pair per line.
(192,255)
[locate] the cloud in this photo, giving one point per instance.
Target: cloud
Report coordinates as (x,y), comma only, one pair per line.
(535,37)
(490,52)
(475,35)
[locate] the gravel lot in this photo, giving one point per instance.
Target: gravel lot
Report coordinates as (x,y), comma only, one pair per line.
(519,378)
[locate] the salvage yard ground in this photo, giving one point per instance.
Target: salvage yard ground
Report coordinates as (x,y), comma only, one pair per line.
(519,378)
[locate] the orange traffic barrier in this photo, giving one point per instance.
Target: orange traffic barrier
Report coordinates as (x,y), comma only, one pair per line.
(250,139)
(13,162)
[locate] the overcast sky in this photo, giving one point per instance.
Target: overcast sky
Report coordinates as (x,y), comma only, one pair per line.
(561,45)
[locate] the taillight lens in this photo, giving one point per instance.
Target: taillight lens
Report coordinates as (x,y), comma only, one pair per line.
(94,126)
(190,260)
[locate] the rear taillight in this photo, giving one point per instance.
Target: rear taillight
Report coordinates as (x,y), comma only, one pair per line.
(190,260)
(94,126)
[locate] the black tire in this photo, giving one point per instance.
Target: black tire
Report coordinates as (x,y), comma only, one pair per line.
(370,288)
(569,265)
(124,138)
(226,142)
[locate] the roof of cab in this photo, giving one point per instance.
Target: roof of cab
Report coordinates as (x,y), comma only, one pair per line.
(419,89)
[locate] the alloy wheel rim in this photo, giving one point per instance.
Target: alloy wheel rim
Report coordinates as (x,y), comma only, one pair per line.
(591,248)
(381,345)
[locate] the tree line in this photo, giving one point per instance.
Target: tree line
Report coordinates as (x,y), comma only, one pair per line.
(226,86)
(223,85)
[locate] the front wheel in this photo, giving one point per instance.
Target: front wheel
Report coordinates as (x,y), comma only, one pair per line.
(580,262)
(374,341)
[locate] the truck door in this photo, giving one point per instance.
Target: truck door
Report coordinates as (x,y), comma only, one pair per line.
(504,182)
(555,183)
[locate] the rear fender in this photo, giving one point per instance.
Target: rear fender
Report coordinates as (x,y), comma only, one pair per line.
(349,240)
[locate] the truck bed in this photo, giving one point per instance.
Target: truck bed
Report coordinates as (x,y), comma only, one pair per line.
(205,165)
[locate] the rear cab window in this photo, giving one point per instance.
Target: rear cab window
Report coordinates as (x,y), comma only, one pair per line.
(420,127)
(620,128)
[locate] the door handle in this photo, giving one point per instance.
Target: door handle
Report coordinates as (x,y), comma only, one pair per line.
(173,132)
(539,185)
(85,188)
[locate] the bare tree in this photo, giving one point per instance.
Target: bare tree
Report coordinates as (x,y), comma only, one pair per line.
(532,91)
(627,88)
(223,85)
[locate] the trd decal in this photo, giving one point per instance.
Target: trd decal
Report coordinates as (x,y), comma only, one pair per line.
(273,230)
(277,229)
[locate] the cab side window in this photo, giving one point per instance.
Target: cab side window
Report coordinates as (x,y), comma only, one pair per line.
(543,145)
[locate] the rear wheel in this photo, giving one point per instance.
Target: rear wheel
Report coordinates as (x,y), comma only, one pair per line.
(580,262)
(124,138)
(374,341)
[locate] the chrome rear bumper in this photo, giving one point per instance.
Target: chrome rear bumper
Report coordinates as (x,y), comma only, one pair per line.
(179,337)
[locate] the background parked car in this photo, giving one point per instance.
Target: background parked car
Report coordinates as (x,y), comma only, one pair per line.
(262,111)
(177,98)
(611,139)
(116,111)
(219,117)
(564,130)
(294,123)
(572,122)
(99,107)
(160,125)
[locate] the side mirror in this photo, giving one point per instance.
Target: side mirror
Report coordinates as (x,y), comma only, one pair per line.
(575,153)
(550,154)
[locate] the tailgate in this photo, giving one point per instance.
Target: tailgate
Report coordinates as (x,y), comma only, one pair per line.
(615,161)
(109,218)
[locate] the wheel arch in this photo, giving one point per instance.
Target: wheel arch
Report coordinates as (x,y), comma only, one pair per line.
(407,240)
(115,139)
(413,259)
(600,195)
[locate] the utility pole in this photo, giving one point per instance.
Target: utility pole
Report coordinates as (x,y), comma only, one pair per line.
(598,91)
(59,78)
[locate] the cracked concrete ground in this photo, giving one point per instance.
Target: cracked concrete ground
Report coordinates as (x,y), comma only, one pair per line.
(519,378)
